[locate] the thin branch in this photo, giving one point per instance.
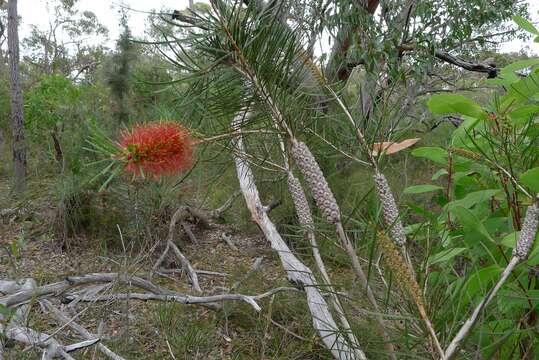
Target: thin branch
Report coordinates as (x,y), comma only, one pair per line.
(63,318)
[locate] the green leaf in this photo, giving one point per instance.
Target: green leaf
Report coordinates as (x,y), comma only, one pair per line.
(474,198)
(524,89)
(471,224)
(436,154)
(481,280)
(523,114)
(419,189)
(445,255)
(454,103)
(531,179)
(439,174)
(518,65)
(421,212)
(510,240)
(525,25)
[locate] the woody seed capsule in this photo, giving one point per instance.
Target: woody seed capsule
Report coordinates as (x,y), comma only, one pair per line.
(316,181)
(300,202)
(389,208)
(528,232)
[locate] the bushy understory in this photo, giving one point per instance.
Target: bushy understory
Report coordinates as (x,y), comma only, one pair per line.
(231,188)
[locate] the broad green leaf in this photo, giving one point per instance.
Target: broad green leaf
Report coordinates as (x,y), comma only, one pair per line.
(518,65)
(436,154)
(508,76)
(454,103)
(474,198)
(439,174)
(481,280)
(412,228)
(420,211)
(531,179)
(523,114)
(510,240)
(445,255)
(419,189)
(523,89)
(461,137)
(470,223)
(525,24)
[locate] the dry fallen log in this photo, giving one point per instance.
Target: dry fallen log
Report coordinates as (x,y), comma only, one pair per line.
(65,320)
(70,282)
(186,299)
(51,347)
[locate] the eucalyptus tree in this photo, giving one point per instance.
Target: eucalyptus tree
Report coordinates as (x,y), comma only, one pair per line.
(70,45)
(17,115)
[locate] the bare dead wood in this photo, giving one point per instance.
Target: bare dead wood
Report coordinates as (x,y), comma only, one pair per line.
(227,239)
(186,265)
(297,272)
(9,286)
(70,282)
(64,319)
(187,230)
(199,272)
(179,215)
(218,213)
(51,347)
(477,67)
(187,299)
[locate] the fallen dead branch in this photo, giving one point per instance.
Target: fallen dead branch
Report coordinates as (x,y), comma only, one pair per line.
(65,320)
(21,295)
(179,215)
(227,239)
(51,347)
(185,299)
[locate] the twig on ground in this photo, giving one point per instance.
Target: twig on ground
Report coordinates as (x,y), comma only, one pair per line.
(218,213)
(256,265)
(188,232)
(228,240)
(64,319)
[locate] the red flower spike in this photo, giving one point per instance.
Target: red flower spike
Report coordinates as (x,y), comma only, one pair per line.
(158,149)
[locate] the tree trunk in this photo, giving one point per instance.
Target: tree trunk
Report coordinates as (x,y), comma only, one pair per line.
(17,117)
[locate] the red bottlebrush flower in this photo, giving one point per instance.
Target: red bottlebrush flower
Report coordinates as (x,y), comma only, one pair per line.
(163,148)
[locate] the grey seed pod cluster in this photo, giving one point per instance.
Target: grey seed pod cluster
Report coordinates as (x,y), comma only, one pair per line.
(316,181)
(527,233)
(300,202)
(390,210)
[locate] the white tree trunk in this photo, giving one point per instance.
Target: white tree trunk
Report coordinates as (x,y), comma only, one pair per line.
(334,339)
